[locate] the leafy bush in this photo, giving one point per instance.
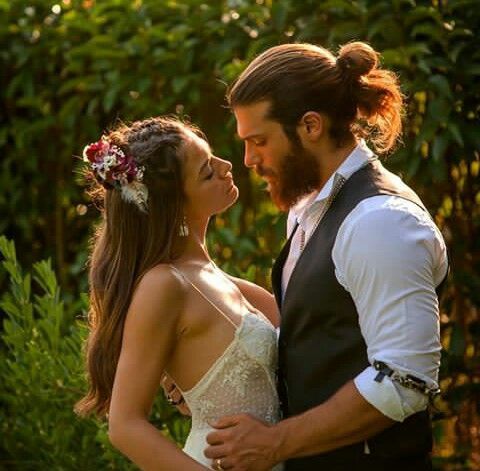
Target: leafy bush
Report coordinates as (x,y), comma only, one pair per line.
(41,372)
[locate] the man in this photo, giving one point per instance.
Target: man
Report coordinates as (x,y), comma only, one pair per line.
(356,282)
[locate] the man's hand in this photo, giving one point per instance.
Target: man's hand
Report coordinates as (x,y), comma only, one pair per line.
(174,396)
(243,443)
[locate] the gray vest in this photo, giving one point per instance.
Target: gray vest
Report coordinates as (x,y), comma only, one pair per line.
(321,347)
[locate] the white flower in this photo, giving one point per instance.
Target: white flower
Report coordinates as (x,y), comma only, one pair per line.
(137,193)
(109,161)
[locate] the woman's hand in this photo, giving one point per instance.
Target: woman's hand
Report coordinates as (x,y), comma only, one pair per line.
(173,395)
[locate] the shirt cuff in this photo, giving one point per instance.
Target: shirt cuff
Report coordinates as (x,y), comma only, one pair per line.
(392,400)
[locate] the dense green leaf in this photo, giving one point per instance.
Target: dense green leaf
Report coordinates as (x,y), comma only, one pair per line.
(441,84)
(439,147)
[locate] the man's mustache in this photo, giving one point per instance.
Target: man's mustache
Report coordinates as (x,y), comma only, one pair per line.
(264,172)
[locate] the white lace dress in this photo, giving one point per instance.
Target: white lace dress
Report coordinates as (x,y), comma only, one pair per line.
(242,380)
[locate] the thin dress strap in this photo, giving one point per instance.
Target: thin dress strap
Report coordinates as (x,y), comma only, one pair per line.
(204,296)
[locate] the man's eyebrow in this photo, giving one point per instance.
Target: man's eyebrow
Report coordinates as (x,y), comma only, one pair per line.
(250,136)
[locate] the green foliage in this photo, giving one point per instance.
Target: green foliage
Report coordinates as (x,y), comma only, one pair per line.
(41,372)
(69,71)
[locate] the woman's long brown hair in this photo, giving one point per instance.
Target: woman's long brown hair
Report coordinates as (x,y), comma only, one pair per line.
(128,243)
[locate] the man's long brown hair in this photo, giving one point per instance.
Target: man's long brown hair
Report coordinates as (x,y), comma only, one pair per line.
(358,96)
(128,243)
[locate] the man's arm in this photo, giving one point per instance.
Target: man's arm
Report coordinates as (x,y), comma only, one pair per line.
(343,419)
(390,257)
(243,442)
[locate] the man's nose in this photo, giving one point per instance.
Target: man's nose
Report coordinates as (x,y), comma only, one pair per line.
(250,158)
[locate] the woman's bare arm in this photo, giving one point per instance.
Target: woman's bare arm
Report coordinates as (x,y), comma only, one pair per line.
(149,338)
(260,298)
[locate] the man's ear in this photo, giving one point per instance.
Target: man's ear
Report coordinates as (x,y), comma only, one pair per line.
(311,126)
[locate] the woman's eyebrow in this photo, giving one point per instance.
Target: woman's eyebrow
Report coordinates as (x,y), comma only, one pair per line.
(205,163)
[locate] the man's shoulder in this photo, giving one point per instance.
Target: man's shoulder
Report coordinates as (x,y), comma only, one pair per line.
(389,223)
(387,207)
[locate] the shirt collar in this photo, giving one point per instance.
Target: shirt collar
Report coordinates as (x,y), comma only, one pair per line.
(355,160)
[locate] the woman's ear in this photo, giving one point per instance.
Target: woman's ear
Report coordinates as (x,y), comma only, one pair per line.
(311,126)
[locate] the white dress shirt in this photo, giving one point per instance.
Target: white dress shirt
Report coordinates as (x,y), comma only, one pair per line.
(390,256)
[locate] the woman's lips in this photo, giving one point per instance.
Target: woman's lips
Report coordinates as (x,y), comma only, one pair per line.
(229,179)
(230,183)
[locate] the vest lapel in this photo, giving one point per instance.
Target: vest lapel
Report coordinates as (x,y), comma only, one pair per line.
(277,268)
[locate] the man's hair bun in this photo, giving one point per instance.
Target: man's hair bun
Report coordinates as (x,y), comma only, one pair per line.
(357,59)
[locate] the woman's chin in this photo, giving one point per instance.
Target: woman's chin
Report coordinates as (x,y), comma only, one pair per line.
(232,197)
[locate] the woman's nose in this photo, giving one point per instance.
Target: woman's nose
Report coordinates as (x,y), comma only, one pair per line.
(225,166)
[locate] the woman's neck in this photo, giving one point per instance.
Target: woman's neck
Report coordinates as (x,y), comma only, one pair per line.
(195,247)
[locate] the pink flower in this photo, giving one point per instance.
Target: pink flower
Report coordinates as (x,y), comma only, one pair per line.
(96,151)
(125,168)
(110,165)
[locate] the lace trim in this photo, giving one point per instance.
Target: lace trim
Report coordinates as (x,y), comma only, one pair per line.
(241,379)
(217,362)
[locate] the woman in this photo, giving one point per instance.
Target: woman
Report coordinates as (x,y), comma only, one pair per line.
(159,303)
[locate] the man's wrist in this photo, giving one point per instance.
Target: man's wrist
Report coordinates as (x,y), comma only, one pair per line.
(283,441)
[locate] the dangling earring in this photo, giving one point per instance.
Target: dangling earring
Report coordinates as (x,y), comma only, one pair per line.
(183,231)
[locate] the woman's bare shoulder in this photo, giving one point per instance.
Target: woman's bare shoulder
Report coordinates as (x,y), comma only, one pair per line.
(161,286)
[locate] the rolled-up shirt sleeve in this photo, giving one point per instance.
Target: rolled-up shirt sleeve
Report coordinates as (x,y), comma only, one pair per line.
(390,256)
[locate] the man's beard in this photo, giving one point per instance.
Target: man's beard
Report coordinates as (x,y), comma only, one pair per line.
(297,176)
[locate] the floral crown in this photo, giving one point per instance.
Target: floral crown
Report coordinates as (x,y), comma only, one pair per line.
(112,168)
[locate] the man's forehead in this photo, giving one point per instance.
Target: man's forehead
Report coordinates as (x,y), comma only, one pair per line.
(251,119)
